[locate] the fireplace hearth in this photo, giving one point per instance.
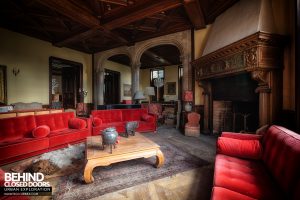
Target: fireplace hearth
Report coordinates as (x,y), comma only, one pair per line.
(235,104)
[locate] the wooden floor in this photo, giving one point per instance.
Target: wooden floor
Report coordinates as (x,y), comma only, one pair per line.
(188,185)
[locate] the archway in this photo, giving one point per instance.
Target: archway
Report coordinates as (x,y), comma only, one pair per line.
(114,55)
(162,63)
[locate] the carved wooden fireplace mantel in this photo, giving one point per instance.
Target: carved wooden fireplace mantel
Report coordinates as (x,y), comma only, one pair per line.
(260,54)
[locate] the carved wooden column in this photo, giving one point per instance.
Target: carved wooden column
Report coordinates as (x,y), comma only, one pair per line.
(207,105)
(264,91)
(135,78)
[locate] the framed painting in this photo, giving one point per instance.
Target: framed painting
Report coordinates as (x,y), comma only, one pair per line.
(3,87)
(171,88)
(126,90)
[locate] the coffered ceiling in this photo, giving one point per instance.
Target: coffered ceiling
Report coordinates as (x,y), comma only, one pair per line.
(94,25)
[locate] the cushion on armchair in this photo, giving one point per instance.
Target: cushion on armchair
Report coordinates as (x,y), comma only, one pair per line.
(147,118)
(76,123)
(239,148)
(41,131)
(97,121)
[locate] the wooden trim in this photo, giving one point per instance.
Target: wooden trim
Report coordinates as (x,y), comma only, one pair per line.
(194,12)
(77,65)
(297,66)
(193,58)
(3,68)
(260,51)
(93,79)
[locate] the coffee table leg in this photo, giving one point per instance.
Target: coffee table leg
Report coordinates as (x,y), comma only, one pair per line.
(160,159)
(88,170)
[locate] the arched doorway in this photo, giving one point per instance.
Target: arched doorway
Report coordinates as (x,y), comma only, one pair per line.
(161,68)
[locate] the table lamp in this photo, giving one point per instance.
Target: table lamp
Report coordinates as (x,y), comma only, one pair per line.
(188,98)
(139,96)
(149,91)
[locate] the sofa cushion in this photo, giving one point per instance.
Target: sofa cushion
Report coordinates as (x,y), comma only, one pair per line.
(282,157)
(239,148)
(76,123)
(55,121)
(41,131)
(145,117)
(241,136)
(22,146)
(97,121)
(248,177)
(16,128)
(108,116)
(133,114)
(65,136)
(225,194)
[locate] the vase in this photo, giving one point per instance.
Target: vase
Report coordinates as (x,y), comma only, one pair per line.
(188,107)
(109,136)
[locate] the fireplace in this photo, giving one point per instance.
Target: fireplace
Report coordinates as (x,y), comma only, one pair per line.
(247,76)
(235,104)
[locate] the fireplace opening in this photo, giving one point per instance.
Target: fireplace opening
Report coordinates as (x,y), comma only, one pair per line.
(235,104)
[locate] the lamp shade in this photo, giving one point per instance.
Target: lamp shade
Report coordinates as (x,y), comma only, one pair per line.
(139,95)
(149,91)
(188,95)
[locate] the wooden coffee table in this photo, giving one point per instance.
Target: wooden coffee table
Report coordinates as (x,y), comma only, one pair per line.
(129,148)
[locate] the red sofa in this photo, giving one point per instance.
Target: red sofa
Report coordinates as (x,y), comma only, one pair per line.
(257,166)
(23,137)
(103,119)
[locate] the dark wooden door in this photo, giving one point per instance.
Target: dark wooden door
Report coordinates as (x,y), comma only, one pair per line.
(68,87)
(111,87)
(71,81)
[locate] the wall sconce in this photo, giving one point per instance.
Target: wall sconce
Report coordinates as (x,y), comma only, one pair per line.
(83,92)
(15,71)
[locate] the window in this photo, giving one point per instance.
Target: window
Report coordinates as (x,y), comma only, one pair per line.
(155,74)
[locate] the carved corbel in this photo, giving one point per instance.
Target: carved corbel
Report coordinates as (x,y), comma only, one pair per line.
(262,77)
(251,57)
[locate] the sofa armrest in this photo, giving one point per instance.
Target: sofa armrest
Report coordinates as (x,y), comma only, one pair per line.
(250,149)
(148,118)
(88,123)
(241,136)
(153,116)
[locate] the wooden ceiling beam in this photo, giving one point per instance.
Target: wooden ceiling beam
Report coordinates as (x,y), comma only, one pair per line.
(77,14)
(194,12)
(140,28)
(24,12)
(116,2)
(72,11)
(145,11)
(76,37)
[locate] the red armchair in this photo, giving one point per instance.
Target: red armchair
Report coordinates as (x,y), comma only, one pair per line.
(192,127)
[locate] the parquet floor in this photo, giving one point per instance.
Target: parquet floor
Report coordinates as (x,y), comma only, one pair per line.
(193,184)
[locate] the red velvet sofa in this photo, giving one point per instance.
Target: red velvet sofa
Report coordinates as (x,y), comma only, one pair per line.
(264,166)
(102,119)
(23,137)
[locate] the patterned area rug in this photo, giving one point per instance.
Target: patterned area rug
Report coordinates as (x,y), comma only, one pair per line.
(127,174)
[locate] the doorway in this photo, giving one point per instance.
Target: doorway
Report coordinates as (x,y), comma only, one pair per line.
(111,87)
(65,82)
